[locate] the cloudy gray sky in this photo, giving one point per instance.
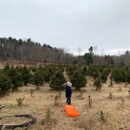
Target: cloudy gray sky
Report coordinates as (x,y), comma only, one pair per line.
(69,24)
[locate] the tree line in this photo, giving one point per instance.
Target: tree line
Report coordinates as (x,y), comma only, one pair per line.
(28,51)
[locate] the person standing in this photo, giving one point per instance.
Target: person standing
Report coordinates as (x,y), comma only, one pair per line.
(68,91)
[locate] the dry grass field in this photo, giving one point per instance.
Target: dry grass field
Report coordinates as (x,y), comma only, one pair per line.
(114,116)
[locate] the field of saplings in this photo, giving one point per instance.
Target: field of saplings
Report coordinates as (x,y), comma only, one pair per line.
(33,97)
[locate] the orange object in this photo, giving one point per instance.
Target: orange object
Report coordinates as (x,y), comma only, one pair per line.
(71,111)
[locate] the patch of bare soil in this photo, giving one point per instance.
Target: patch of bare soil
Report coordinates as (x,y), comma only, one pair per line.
(107,112)
(13,120)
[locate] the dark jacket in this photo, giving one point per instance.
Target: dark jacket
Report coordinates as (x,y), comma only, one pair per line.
(68,91)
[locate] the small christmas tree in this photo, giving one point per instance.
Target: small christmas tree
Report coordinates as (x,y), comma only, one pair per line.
(78,80)
(5,84)
(57,81)
(37,79)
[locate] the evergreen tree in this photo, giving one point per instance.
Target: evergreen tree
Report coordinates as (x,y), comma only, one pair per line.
(93,71)
(89,59)
(57,81)
(117,74)
(37,79)
(127,75)
(5,84)
(104,74)
(98,83)
(25,75)
(47,75)
(78,80)
(15,77)
(84,70)
(6,68)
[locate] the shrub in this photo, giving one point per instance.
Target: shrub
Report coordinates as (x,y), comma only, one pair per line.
(98,83)
(20,101)
(57,81)
(118,75)
(127,75)
(105,74)
(5,84)
(25,75)
(56,100)
(15,77)
(48,121)
(78,80)
(89,101)
(37,79)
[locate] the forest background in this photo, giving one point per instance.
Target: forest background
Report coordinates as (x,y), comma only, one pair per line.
(29,52)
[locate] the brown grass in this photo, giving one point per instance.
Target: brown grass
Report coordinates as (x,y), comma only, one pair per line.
(116,114)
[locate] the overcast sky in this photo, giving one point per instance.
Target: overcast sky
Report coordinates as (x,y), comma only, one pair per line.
(70,24)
